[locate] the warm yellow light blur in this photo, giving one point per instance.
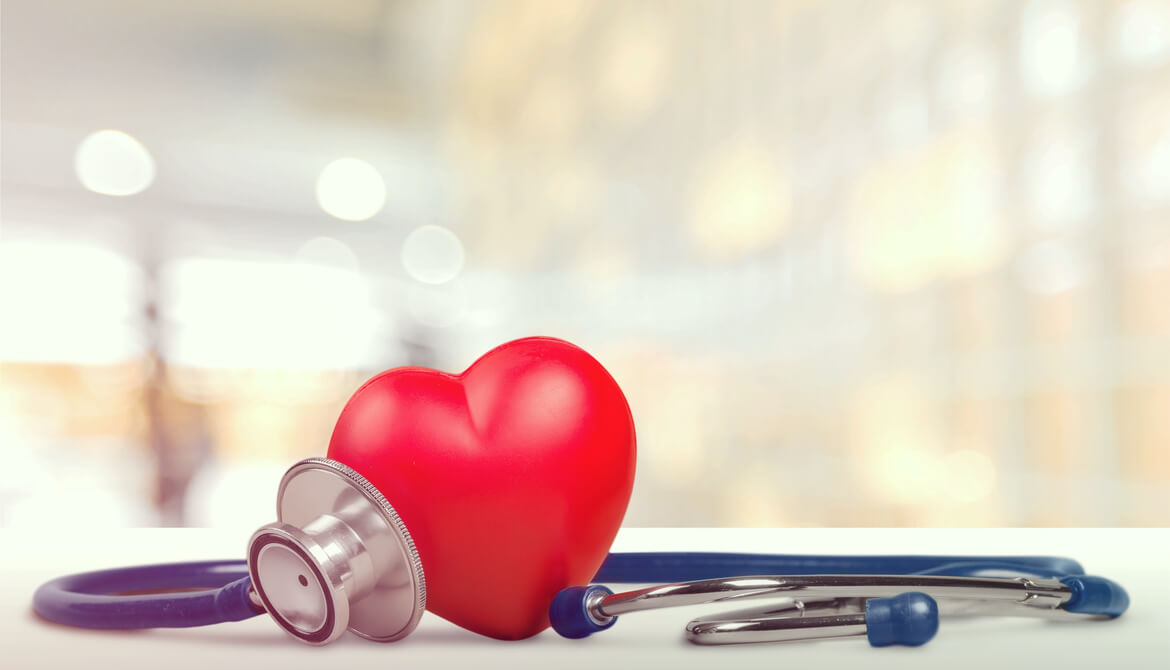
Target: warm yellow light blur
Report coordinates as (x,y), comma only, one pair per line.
(929,213)
(741,202)
(550,113)
(974,234)
(970,476)
(892,242)
(897,437)
(634,67)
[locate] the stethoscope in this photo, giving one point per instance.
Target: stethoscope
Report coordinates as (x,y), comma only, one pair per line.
(339,558)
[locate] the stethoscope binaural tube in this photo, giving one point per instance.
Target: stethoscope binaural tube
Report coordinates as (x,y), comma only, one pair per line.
(889,609)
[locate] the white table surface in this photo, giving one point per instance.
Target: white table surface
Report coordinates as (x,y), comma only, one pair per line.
(1137,558)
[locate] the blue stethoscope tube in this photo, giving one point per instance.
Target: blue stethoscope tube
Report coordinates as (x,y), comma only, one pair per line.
(649,567)
(161,596)
(169,595)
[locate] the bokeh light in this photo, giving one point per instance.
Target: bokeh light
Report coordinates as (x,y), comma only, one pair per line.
(56,287)
(1052,52)
(1058,171)
(351,189)
(634,66)
(432,254)
(741,202)
(899,438)
(111,162)
(266,314)
(1141,32)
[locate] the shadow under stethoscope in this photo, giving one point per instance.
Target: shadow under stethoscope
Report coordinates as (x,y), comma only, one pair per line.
(201,635)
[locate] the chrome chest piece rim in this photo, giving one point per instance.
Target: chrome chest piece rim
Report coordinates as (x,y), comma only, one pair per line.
(338,558)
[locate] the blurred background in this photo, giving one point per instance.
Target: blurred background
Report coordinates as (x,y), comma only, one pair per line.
(854,263)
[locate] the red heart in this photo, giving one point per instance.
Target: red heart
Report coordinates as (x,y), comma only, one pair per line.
(512,477)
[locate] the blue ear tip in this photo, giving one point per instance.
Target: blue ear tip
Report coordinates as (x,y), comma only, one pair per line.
(1095,595)
(909,619)
(569,612)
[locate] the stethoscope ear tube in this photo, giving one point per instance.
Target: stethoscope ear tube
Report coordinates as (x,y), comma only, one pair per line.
(910,620)
(150,596)
(1095,595)
(572,613)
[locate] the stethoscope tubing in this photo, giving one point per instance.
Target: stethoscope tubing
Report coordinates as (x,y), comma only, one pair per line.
(168,595)
(654,567)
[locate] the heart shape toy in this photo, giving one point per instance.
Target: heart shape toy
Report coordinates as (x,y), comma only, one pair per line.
(512,477)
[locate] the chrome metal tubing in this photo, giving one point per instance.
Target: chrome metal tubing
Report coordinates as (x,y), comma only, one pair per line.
(791,622)
(979,595)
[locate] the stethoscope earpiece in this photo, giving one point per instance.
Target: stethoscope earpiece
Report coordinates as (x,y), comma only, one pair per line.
(574,611)
(909,619)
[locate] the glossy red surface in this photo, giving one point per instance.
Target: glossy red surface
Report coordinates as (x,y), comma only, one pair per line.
(512,477)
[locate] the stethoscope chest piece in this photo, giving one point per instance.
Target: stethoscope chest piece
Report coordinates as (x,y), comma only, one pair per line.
(338,558)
